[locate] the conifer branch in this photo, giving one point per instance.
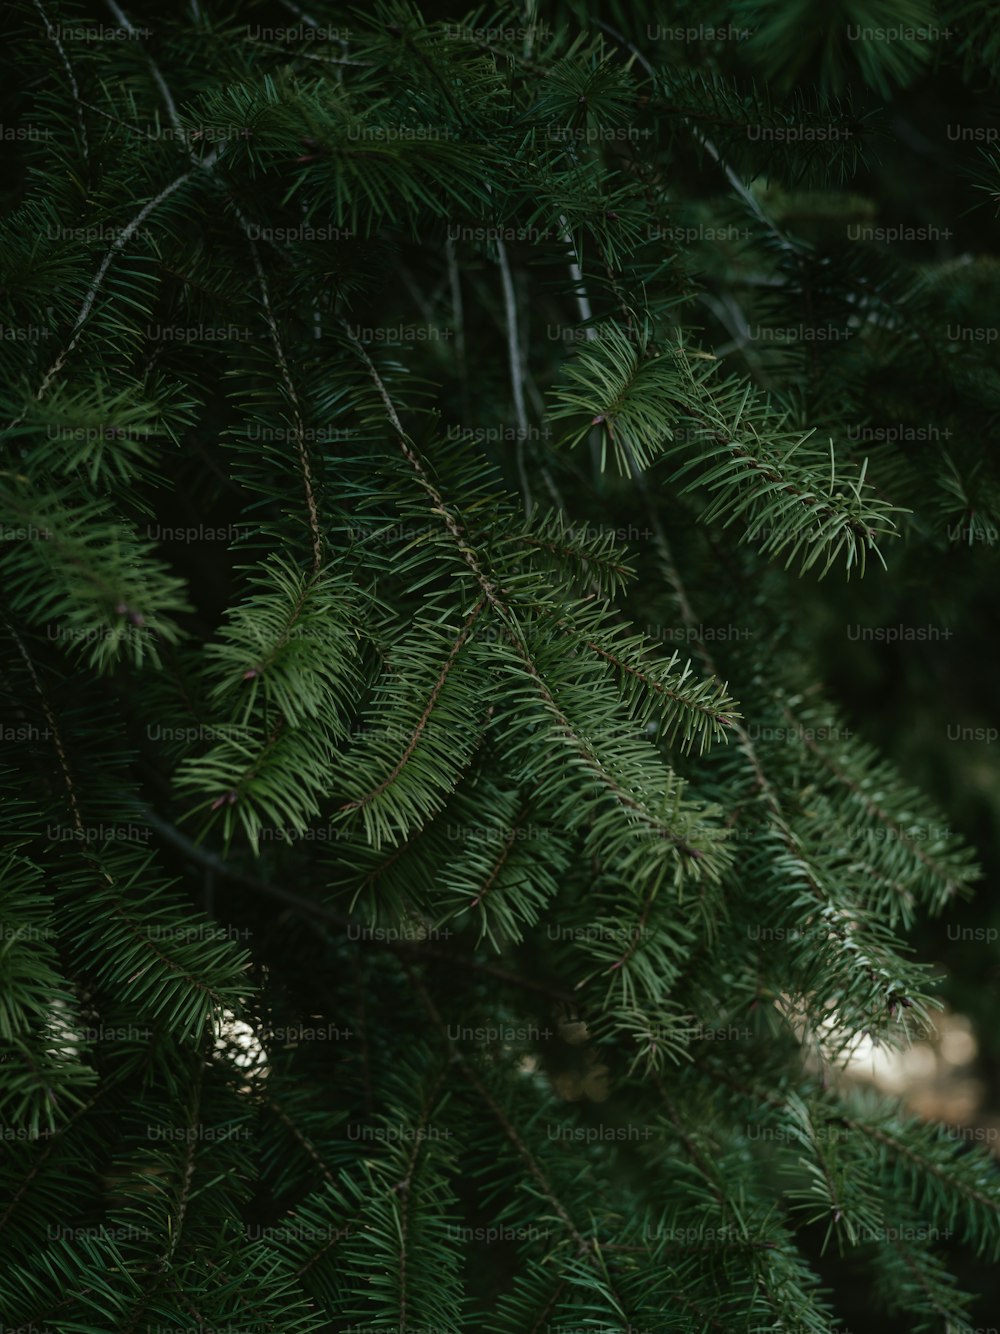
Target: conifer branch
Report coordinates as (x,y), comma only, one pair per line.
(314,910)
(305,466)
(359,802)
(542,1323)
(314,1155)
(501,859)
(657,687)
(402,1189)
(51,1143)
(161,83)
(470,557)
(336,1237)
(593,763)
(117,246)
(883,816)
(54,732)
(585,1247)
(208,164)
(54,37)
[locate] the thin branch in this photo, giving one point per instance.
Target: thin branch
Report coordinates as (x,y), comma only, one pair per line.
(53,35)
(50,1143)
(516,378)
(208,163)
(154,69)
(315,911)
(458,317)
(586,312)
(593,762)
(746,195)
(302,1139)
(876,810)
(657,686)
(403,1190)
(414,740)
(307,55)
(299,13)
(504,853)
(118,244)
(409,452)
(58,743)
(584,1246)
(300,445)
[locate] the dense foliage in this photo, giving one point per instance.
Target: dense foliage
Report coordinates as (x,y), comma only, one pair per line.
(440,890)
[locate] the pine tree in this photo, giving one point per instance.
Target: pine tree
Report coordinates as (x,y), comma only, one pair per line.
(439,892)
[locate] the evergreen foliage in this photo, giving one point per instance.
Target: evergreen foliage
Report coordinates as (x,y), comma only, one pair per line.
(438,892)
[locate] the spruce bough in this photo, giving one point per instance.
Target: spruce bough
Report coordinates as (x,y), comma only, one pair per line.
(438,892)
